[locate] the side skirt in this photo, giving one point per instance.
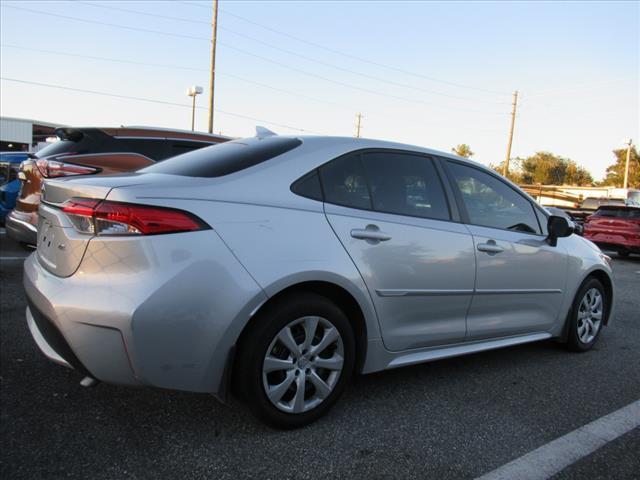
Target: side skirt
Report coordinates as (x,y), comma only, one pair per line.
(386,360)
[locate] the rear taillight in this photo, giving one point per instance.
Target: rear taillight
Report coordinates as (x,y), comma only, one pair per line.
(55,168)
(96,217)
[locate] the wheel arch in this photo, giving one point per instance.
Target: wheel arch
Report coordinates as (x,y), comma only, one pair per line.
(604,278)
(333,292)
(607,283)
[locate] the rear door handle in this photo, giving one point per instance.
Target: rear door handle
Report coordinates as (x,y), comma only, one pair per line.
(372,232)
(490,247)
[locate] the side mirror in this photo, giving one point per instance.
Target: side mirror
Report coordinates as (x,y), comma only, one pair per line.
(558,227)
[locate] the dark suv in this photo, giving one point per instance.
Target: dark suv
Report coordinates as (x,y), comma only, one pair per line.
(94,151)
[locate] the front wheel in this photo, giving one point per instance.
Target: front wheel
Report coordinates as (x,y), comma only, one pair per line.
(587,316)
(295,361)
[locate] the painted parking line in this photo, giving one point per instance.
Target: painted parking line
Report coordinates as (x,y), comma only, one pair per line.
(2,231)
(2,259)
(558,454)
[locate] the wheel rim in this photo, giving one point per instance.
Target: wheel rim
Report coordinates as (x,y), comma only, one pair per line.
(590,315)
(303,364)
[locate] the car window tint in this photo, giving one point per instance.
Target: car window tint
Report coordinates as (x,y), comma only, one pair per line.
(308,186)
(492,203)
(178,147)
(344,183)
(618,212)
(225,158)
(155,149)
(405,184)
(543,220)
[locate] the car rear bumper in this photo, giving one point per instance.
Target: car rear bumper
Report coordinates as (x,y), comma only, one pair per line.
(161,311)
(20,227)
(614,241)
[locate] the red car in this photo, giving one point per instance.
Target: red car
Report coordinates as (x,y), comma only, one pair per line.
(615,227)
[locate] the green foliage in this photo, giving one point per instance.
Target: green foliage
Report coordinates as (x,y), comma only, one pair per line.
(463,150)
(547,169)
(615,173)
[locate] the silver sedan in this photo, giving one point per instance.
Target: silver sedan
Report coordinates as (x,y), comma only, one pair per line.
(277,267)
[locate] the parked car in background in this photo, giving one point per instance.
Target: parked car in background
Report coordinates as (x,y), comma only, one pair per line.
(279,266)
(615,227)
(94,151)
(9,183)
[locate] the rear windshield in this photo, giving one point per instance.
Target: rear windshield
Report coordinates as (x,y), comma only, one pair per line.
(225,158)
(619,212)
(92,140)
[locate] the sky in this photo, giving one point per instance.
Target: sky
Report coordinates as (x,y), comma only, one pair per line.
(434,74)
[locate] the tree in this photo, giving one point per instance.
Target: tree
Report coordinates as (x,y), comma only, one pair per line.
(547,169)
(463,150)
(615,173)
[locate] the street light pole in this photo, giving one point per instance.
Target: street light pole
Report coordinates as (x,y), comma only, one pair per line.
(192,92)
(629,142)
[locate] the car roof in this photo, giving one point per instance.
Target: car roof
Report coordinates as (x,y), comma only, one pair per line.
(375,143)
(149,132)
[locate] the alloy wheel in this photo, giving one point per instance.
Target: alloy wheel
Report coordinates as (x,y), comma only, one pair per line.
(590,315)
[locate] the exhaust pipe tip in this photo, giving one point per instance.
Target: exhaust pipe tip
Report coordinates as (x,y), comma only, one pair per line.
(89,382)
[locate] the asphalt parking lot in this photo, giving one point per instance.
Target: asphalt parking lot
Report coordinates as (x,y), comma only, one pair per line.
(456,418)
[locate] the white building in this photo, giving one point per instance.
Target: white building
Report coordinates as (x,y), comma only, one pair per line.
(21,134)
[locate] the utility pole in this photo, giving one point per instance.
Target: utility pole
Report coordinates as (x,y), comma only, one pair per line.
(505,168)
(358,125)
(212,80)
(626,165)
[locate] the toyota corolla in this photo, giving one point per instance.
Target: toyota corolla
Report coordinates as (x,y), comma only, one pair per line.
(278,267)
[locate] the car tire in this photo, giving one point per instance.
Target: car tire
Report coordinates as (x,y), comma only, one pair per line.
(588,316)
(623,253)
(301,388)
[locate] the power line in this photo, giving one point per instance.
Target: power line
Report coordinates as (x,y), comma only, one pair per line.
(299,55)
(152,100)
(353,57)
(177,67)
(275,62)
(181,67)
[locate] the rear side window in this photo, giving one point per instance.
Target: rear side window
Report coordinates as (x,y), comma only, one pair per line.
(308,186)
(225,158)
(405,184)
(344,183)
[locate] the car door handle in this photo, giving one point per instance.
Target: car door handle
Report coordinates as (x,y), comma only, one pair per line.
(370,233)
(490,247)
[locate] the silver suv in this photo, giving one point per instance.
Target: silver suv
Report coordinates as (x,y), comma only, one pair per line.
(281,266)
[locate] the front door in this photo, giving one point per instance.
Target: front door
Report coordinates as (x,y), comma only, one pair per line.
(390,213)
(520,279)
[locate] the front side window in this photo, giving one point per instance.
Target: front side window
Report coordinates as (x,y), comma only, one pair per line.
(492,203)
(405,184)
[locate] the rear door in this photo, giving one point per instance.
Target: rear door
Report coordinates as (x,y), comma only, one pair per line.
(520,278)
(390,212)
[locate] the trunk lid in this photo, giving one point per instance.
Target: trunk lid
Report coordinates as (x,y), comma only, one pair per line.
(60,246)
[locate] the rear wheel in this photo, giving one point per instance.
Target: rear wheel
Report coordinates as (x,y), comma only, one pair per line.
(623,253)
(587,316)
(294,363)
